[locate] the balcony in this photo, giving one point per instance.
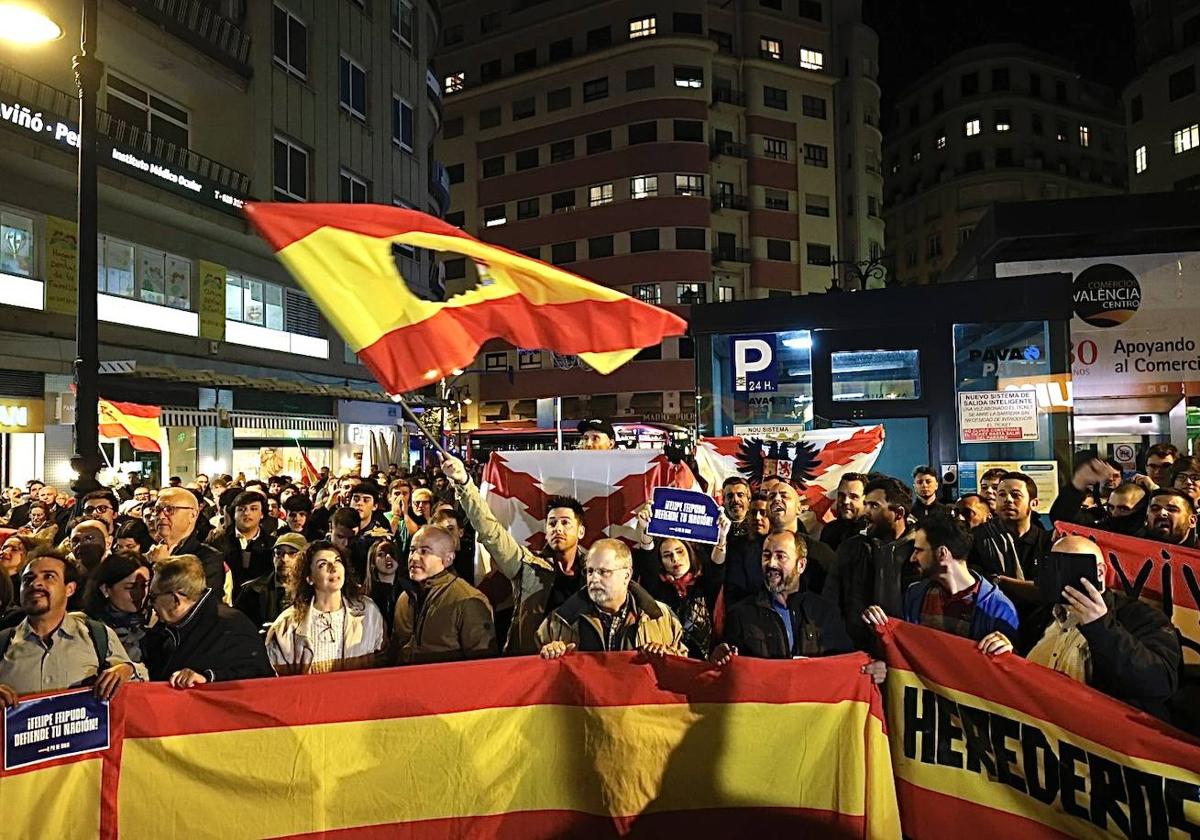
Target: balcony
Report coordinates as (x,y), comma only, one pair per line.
(199,24)
(728,148)
(739,255)
(433,90)
(730,201)
(439,187)
(728,96)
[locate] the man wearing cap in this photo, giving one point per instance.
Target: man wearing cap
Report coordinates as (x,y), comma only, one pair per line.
(264,598)
(597,434)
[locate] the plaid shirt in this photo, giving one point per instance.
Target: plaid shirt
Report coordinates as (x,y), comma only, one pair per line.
(949,613)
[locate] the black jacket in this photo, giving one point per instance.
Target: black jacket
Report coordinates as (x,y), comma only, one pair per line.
(1135,651)
(261,600)
(212,560)
(839,530)
(258,558)
(214,640)
(921,510)
(756,629)
(696,609)
(870,571)
(995,551)
(743,567)
(1068,507)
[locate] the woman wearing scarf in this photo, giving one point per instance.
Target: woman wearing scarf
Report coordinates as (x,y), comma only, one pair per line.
(116,595)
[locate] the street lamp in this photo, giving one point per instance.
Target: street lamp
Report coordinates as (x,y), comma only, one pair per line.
(876,268)
(26,23)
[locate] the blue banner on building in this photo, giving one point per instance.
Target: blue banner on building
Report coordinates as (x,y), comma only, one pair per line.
(755,363)
(684,514)
(53,727)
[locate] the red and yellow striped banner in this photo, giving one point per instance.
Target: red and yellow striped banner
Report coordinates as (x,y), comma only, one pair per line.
(139,423)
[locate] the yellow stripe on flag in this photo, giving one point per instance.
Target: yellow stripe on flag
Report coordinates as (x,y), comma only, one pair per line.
(53,803)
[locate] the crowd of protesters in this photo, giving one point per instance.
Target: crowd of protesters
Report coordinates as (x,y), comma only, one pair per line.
(229,578)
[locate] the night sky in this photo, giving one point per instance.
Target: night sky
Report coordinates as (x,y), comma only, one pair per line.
(915,35)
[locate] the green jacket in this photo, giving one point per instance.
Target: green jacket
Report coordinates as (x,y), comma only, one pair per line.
(452,621)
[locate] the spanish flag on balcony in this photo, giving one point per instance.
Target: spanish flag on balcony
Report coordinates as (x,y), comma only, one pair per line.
(139,423)
(344,257)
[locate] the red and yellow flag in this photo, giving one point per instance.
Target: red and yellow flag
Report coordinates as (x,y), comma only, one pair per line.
(342,255)
(137,422)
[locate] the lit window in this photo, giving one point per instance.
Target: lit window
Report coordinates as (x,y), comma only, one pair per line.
(16,244)
(648,293)
(941,141)
(1139,160)
(689,185)
(600,194)
(643,186)
(971,127)
(916,156)
(1083,136)
(689,77)
(770,48)
(724,294)
(257,302)
(455,82)
(812,59)
(495,216)
(775,148)
(1187,138)
(642,27)
(688,293)
(135,272)
(1003,125)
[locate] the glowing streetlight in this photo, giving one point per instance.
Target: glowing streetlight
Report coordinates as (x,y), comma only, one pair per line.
(27,24)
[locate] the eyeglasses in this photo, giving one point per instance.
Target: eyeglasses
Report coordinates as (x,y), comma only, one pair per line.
(169,510)
(1190,478)
(281,550)
(603,574)
(98,509)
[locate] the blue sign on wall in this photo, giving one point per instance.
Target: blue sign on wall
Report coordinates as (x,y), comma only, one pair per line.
(684,514)
(53,727)
(755,363)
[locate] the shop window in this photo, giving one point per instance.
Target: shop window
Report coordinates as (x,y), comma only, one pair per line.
(145,274)
(252,301)
(863,375)
(16,244)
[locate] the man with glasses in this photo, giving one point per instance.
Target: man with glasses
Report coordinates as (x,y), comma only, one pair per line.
(265,597)
(173,526)
(1159,459)
(612,612)
(1185,477)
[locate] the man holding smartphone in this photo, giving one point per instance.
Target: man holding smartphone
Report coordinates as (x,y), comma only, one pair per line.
(1116,644)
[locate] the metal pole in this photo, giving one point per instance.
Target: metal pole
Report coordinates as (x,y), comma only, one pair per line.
(558,421)
(86,461)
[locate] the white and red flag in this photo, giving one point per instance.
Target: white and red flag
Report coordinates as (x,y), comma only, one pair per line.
(817,459)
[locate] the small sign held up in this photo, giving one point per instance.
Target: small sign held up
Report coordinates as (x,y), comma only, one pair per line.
(684,514)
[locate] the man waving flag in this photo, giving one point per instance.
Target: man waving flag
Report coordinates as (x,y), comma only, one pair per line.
(342,255)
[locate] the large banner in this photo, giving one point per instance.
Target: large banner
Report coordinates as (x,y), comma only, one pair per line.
(592,745)
(1165,575)
(611,485)
(1000,747)
(819,458)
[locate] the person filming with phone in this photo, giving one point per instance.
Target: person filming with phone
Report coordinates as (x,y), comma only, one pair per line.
(1119,645)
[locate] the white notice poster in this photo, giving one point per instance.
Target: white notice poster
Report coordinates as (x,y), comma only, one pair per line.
(997,416)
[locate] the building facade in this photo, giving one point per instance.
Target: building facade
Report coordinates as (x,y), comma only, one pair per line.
(204,106)
(1162,106)
(991,124)
(679,152)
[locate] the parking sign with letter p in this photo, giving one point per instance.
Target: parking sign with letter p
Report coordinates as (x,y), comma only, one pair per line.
(754,367)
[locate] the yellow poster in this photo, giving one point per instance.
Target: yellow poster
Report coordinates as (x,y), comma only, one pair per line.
(62,254)
(212,301)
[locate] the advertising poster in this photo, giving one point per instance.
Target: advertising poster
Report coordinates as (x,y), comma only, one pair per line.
(997,416)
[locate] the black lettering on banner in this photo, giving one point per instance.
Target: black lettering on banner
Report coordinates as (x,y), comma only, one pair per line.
(948,733)
(1178,794)
(1037,754)
(922,724)
(1107,794)
(1069,780)
(1146,801)
(1003,729)
(976,725)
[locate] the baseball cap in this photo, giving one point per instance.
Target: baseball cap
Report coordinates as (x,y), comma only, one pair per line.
(292,540)
(598,426)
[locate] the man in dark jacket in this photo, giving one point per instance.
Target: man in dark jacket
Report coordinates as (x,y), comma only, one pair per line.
(1017,541)
(925,493)
(1170,518)
(875,567)
(198,639)
(19,516)
(1123,513)
(1118,645)
(265,597)
(848,510)
(174,529)
(247,547)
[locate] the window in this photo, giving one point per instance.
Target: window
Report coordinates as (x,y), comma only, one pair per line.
(489,22)
(810,9)
(1060,131)
(525,60)
(1139,160)
(115,267)
(779,249)
(812,59)
(495,361)
(595,89)
(600,194)
(352,189)
(600,247)
(816,205)
(251,301)
(489,117)
(691,239)
(819,254)
(915,152)
(812,106)
(643,186)
(402,123)
(456,269)
(723,40)
(455,173)
(933,246)
(556,100)
(873,206)
(816,155)
(639,78)
(162,279)
(643,240)
(863,375)
(562,252)
(599,38)
(457,219)
(453,35)
(645,132)
(489,71)
(691,131)
(1000,78)
(686,293)
(291,43)
(689,185)
(562,150)
(648,293)
(528,208)
(774,97)
(971,127)
(1003,120)
(352,88)
(493,166)
(529,359)
(16,244)
(561,51)
(494,216)
(291,170)
(601,141)
(523,109)
(1187,139)
(775,148)
(643,27)
(454,83)
(725,294)
(1181,83)
(528,158)
(453,128)
(689,77)
(1084,136)
(687,23)
(968,84)
(776,199)
(143,109)
(1135,109)
(770,48)
(562,202)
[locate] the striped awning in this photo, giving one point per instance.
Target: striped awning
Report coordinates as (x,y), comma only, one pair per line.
(198,417)
(211,418)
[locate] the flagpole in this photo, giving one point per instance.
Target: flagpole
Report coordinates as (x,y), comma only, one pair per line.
(408,412)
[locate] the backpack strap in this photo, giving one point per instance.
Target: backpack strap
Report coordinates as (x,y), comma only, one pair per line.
(99,634)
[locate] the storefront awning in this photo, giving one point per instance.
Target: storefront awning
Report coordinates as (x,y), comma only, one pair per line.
(218,418)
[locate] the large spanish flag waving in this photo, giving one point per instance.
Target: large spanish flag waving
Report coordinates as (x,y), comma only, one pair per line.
(342,255)
(137,422)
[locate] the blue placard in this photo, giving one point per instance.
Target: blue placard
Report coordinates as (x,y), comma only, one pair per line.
(47,728)
(755,363)
(684,514)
